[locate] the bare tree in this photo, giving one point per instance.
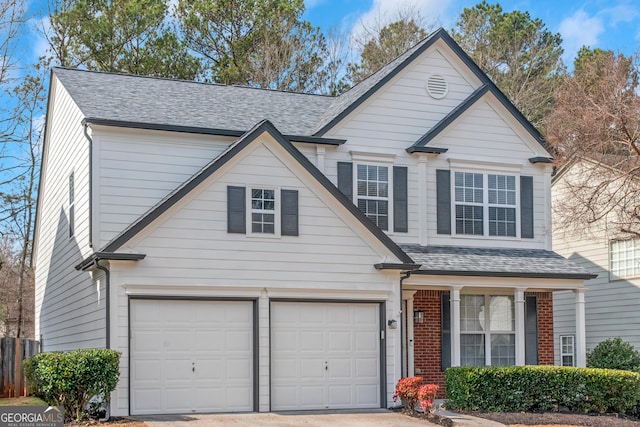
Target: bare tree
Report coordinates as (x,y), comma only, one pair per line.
(596,126)
(382,40)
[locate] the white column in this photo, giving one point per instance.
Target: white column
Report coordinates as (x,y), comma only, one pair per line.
(581,335)
(422,198)
(408,296)
(519,324)
(455,325)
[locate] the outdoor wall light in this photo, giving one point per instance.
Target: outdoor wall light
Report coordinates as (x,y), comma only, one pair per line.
(393,324)
(418,316)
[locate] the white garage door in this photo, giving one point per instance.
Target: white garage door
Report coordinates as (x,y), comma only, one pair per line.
(325,355)
(191,356)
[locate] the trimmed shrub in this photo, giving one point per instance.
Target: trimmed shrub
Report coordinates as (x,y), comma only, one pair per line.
(614,354)
(74,378)
(542,388)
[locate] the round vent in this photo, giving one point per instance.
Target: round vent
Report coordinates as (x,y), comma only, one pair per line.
(437,86)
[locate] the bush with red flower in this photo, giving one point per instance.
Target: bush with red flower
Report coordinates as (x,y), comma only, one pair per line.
(410,391)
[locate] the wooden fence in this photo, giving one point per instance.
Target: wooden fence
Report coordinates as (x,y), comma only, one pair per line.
(13,351)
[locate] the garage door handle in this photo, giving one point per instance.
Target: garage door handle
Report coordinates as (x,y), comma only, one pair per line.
(326,366)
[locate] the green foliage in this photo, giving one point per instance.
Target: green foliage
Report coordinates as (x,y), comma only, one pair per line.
(518,52)
(380,49)
(261,43)
(72,379)
(614,354)
(542,388)
(128,36)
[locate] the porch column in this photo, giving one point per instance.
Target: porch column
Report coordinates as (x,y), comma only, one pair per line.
(455,325)
(581,335)
(407,338)
(519,324)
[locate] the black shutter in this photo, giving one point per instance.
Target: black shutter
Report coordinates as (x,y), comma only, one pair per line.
(445,330)
(236,207)
(289,212)
(345,179)
(443,201)
(531,330)
(526,207)
(400,199)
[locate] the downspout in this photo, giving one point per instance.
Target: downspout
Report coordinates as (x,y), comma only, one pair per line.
(107,303)
(107,299)
(86,135)
(403,353)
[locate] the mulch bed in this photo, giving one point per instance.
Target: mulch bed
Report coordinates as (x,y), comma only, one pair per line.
(557,418)
(113,421)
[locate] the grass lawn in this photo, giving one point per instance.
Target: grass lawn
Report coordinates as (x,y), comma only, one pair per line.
(22,401)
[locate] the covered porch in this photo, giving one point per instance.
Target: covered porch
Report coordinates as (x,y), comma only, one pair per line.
(485,307)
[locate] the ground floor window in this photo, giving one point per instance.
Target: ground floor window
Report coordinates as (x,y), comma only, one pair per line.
(567,347)
(487,330)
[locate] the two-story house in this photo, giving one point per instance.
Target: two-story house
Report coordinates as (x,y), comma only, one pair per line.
(256,250)
(613,297)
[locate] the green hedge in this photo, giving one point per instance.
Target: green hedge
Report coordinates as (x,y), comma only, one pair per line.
(74,378)
(542,388)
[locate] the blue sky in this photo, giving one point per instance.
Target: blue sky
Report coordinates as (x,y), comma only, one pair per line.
(607,24)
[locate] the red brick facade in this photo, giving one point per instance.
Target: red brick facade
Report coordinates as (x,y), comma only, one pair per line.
(427,335)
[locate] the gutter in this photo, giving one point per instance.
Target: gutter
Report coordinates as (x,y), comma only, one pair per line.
(403,350)
(86,135)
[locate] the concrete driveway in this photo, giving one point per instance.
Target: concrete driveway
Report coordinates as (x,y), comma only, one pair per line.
(376,417)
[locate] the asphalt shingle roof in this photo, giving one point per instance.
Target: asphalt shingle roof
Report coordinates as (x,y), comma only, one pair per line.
(128,98)
(452,260)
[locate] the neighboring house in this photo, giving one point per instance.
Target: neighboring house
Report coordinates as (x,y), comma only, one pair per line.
(256,250)
(613,297)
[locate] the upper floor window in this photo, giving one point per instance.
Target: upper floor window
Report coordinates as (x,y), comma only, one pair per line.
(485,202)
(263,210)
(373,193)
(71,205)
(487,330)
(625,258)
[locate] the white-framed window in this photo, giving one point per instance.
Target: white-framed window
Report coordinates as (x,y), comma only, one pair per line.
(567,350)
(263,208)
(485,204)
(372,193)
(487,330)
(72,208)
(624,258)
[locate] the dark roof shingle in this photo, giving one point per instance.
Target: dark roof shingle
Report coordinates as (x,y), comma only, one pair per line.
(502,262)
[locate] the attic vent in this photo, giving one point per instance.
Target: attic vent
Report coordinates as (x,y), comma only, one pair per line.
(437,86)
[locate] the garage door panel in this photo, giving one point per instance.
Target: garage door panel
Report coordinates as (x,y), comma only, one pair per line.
(322,362)
(366,394)
(310,341)
(240,340)
(199,357)
(366,341)
(367,368)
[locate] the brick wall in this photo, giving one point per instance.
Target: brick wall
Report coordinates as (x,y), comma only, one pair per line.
(427,336)
(545,327)
(427,340)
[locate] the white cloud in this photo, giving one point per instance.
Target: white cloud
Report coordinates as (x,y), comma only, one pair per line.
(579,30)
(383,12)
(37,28)
(310,4)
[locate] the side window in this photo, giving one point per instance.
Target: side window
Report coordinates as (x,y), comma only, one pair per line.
(624,258)
(72,218)
(567,350)
(372,193)
(502,205)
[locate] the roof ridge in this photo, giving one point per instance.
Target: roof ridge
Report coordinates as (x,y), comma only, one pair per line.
(170,79)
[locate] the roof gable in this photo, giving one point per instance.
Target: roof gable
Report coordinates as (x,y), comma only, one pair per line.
(350,100)
(263,127)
